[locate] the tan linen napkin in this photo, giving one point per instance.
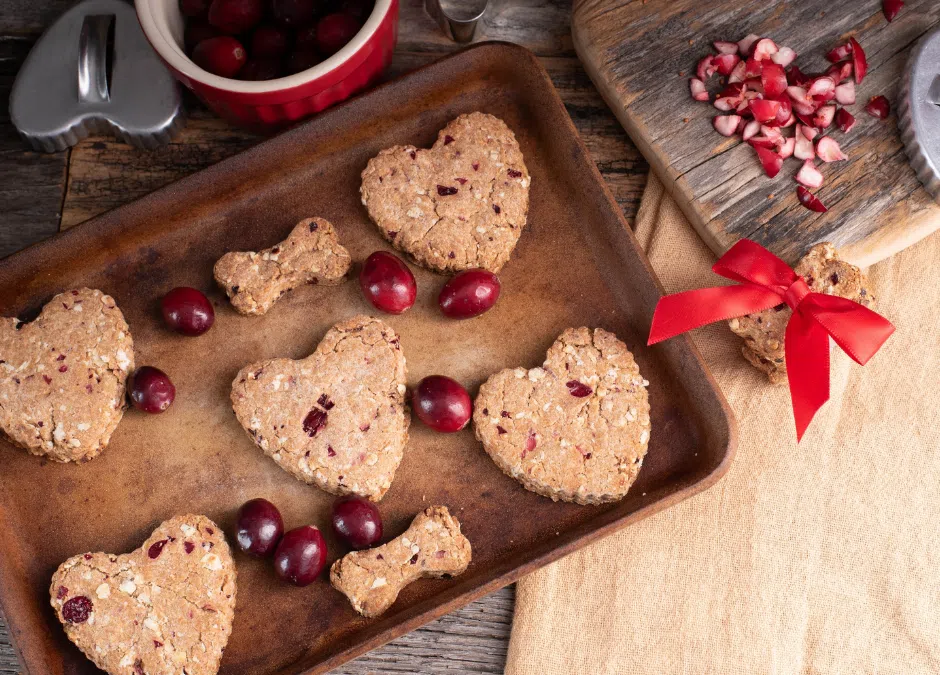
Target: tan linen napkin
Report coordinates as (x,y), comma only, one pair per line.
(822,557)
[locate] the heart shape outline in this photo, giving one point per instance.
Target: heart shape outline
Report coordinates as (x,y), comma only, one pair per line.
(575,429)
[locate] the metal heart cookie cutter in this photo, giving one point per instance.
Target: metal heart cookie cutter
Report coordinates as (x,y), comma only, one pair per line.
(459,25)
(93,71)
(919,111)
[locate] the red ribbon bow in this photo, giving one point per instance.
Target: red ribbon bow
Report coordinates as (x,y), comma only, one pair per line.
(766,281)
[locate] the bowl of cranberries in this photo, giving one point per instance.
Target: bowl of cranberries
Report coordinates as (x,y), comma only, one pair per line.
(263,64)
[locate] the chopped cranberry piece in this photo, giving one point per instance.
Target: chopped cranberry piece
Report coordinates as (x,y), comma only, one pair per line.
(364,427)
(440,554)
(413,155)
(513,173)
(448,140)
(62,592)
(578,389)
(330,451)
(63,369)
(189,546)
(61,357)
(476,166)
(157,644)
(48,380)
(139,668)
(530,442)
(156,549)
(445,191)
(500,430)
(462,181)
(87,556)
(414,559)
(834,278)
(496,208)
(325,402)
(77,610)
(314,422)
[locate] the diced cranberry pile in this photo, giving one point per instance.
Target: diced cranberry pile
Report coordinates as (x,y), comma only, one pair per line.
(766,93)
(266,39)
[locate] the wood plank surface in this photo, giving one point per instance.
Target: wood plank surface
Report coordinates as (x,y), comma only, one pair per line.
(100,174)
(640,53)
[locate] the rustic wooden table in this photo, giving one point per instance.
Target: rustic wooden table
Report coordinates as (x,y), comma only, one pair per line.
(41,194)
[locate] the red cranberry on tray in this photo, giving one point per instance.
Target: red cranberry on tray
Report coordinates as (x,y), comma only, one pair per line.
(267,39)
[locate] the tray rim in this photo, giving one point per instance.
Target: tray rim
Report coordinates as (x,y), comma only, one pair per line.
(429,610)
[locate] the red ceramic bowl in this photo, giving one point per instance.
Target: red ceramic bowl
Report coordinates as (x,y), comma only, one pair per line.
(269,105)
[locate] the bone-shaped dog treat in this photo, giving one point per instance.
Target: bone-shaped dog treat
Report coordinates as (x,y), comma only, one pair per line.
(311,254)
(431,547)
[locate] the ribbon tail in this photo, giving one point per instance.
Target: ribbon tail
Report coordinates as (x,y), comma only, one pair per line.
(807,355)
(682,312)
(859,331)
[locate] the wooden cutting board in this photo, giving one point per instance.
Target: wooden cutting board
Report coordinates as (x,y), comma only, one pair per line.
(640,54)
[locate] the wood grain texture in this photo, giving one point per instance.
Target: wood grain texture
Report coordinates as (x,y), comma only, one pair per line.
(103,174)
(635,50)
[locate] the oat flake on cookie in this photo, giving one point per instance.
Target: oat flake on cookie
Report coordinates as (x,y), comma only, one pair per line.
(458,205)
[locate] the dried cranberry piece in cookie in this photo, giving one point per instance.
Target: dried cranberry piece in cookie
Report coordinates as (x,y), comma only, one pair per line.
(77,610)
(578,389)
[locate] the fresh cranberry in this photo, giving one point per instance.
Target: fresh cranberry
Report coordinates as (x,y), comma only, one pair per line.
(357,521)
(294,12)
(301,60)
(260,69)
(259,528)
(357,8)
(469,294)
(187,311)
(305,39)
(269,41)
(301,555)
(387,283)
(151,390)
(77,610)
(442,403)
(223,56)
(196,31)
(235,16)
(194,8)
(334,31)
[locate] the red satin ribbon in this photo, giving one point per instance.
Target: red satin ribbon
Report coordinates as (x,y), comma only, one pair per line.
(766,281)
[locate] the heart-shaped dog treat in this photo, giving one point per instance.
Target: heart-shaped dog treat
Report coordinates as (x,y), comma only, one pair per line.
(575,429)
(62,376)
(311,254)
(164,609)
(462,204)
(336,419)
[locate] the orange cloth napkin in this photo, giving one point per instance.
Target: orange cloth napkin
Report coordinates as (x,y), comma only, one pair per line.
(822,557)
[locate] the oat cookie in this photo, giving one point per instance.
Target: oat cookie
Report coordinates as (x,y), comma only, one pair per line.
(764,332)
(431,547)
(164,609)
(311,254)
(336,419)
(458,205)
(575,429)
(62,376)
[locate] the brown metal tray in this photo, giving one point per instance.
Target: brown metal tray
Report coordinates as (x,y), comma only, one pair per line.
(576,264)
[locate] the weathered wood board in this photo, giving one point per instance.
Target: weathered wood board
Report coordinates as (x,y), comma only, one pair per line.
(639,53)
